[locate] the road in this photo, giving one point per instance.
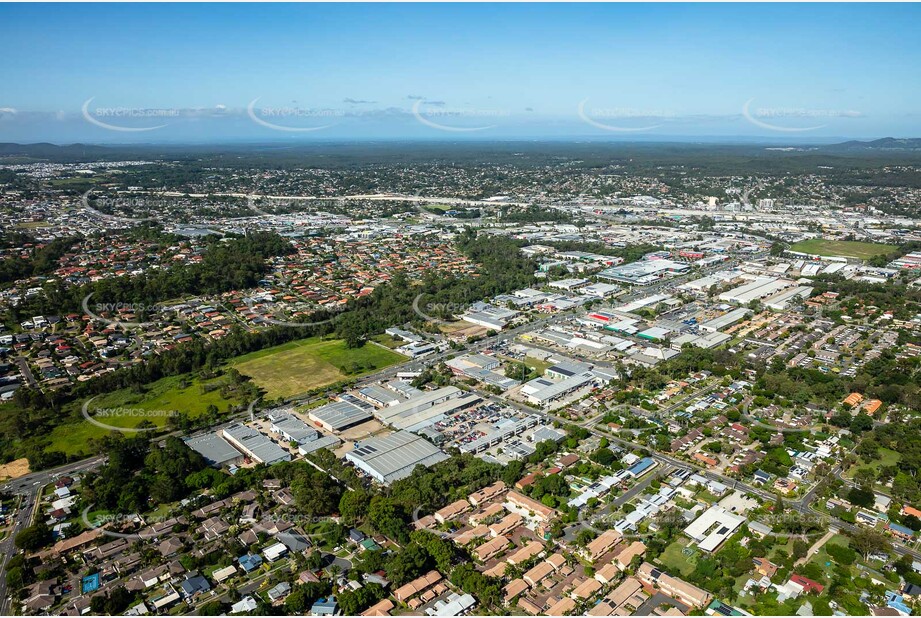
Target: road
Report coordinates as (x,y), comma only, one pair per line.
(29,488)
(615,504)
(803,505)
(26,371)
(816,547)
(257,582)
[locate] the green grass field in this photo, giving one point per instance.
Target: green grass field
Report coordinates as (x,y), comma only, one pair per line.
(822,559)
(674,561)
(842,248)
(887,457)
(300,366)
(387,341)
(178,393)
(75,180)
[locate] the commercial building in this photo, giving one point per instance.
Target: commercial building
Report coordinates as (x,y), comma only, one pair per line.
(390,458)
(427,408)
(379,396)
(561,371)
(672,586)
(215,449)
(708,341)
(481,367)
(327,442)
(910,261)
(489,316)
(292,429)
(543,392)
(258,447)
(760,287)
(782,301)
(643,272)
(724,321)
(339,415)
(600,290)
(504,432)
(713,527)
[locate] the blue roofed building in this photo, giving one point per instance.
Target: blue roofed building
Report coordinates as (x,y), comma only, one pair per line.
(896,602)
(90,583)
(641,467)
(325,607)
(250,562)
(194,584)
(902,532)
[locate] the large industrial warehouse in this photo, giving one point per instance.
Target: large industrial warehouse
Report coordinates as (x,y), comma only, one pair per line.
(390,458)
(339,415)
(255,445)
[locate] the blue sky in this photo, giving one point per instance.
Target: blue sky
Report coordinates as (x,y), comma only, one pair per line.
(212,72)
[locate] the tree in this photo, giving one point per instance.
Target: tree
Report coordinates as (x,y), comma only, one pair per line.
(670,521)
(387,518)
(353,506)
(861,423)
(34,537)
(315,492)
(585,536)
(844,556)
(486,589)
(865,478)
(442,551)
(303,596)
(113,603)
(353,603)
(213,608)
(408,564)
(860,497)
(867,541)
(912,522)
(603,456)
(14,578)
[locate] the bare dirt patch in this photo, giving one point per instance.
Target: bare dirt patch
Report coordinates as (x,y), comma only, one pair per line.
(14,469)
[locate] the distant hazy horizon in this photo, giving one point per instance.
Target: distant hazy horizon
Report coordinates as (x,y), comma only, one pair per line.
(238,73)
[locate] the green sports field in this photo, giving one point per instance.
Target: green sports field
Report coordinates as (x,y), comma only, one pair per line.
(842,248)
(159,399)
(300,366)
